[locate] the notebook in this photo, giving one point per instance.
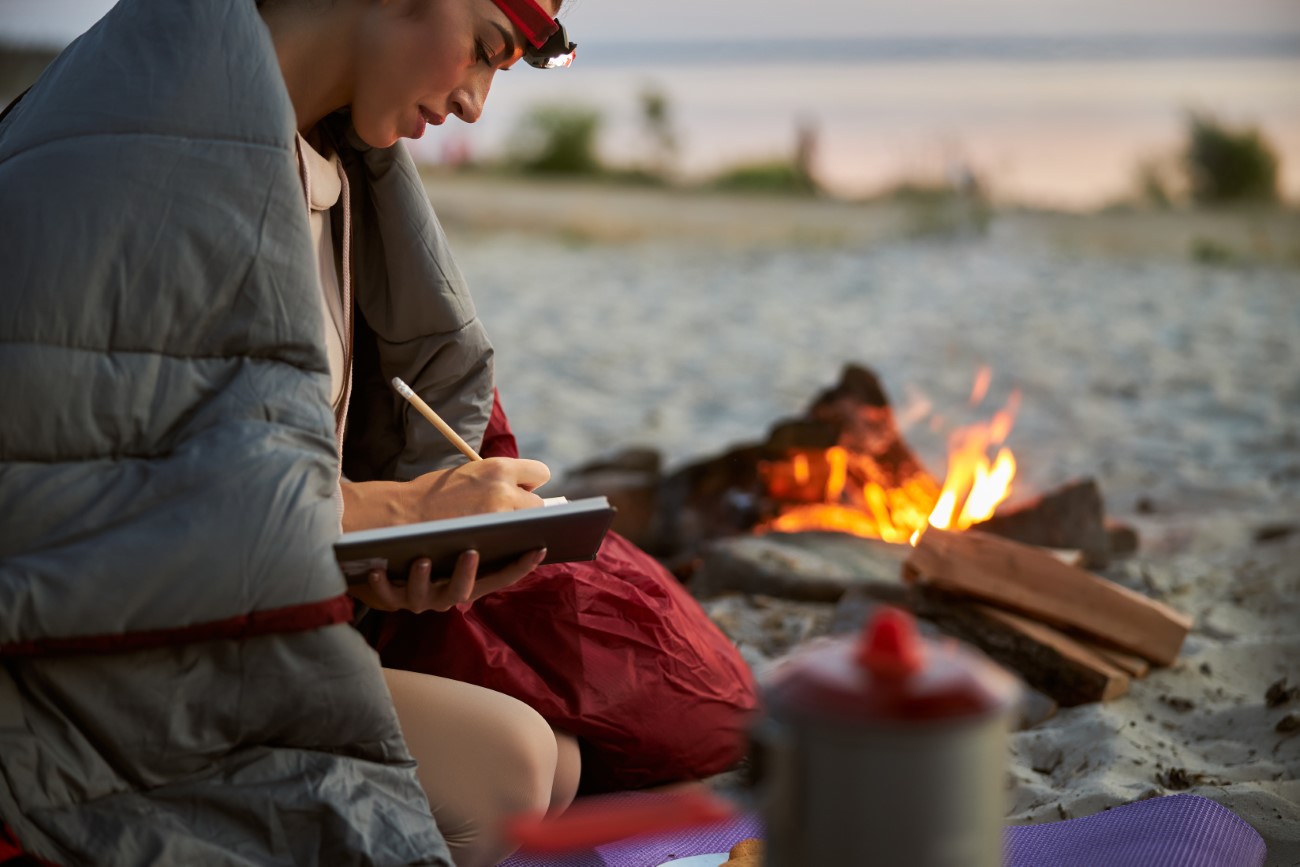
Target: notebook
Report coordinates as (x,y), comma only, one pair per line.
(569,530)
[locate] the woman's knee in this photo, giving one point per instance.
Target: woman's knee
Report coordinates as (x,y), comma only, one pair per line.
(524,761)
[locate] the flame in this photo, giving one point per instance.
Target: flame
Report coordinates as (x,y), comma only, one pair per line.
(840,490)
(980,388)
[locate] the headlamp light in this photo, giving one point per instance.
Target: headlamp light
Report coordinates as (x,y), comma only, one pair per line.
(548,44)
(556,53)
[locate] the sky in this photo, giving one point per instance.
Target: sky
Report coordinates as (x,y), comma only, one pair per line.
(58,21)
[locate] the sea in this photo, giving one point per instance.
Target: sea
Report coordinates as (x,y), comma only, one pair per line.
(1058,122)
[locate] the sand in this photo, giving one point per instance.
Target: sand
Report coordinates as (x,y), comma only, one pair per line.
(1176,384)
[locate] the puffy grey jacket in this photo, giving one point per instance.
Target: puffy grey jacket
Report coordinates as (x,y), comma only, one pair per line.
(179,682)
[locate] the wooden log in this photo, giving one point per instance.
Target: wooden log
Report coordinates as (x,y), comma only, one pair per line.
(1030,581)
(1123,538)
(1068,556)
(859,408)
(711,499)
(1133,666)
(1048,660)
(1071,516)
(807,567)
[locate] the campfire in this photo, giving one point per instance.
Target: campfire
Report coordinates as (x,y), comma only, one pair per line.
(878,490)
(1012,579)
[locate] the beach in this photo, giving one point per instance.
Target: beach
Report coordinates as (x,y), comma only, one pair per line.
(989,201)
(632,318)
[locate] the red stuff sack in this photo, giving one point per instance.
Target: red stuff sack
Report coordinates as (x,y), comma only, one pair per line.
(613,651)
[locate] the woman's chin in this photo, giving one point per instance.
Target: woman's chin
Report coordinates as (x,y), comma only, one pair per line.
(376,135)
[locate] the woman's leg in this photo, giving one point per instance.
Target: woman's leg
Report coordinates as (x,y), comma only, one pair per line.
(568,768)
(482,756)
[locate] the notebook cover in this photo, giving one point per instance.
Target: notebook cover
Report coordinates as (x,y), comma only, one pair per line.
(568,531)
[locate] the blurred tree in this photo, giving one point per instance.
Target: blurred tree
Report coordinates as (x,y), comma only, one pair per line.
(656,118)
(1227,165)
(558,140)
(1154,182)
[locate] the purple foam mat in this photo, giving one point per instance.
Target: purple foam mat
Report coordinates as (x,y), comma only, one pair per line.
(1173,831)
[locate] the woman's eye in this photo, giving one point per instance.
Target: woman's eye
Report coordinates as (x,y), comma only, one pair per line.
(483,55)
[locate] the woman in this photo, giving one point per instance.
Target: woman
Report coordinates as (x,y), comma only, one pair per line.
(481,755)
(181,681)
(438,60)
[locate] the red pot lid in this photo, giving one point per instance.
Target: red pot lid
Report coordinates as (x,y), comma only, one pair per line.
(890,674)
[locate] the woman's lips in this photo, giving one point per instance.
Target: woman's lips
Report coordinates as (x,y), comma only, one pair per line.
(426,117)
(431,116)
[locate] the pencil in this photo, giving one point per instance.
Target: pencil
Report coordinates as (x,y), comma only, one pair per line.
(427,411)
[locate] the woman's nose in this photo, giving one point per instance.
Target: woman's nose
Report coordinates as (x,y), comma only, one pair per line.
(467,103)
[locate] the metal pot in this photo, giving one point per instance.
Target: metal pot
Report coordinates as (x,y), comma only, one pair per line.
(887,751)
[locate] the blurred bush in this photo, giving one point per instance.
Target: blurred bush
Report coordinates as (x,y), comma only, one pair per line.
(557,140)
(1227,165)
(769,176)
(1208,251)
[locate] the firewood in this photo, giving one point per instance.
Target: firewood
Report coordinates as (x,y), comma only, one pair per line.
(1068,556)
(807,567)
(709,499)
(860,409)
(1031,581)
(1133,666)
(801,434)
(1047,659)
(1123,538)
(1071,516)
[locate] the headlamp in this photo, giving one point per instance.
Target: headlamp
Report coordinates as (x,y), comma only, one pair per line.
(548,44)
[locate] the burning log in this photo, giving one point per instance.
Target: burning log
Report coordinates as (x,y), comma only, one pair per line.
(846,466)
(858,408)
(1070,517)
(845,459)
(1030,581)
(1050,661)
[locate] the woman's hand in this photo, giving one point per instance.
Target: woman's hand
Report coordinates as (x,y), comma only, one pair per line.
(490,485)
(421,593)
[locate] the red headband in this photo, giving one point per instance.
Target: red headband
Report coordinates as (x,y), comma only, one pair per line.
(535,22)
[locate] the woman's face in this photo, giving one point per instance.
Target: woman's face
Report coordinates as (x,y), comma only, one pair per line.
(422,61)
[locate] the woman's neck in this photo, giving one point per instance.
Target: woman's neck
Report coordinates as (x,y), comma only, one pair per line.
(314,48)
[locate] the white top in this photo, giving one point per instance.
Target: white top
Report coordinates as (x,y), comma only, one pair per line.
(325,186)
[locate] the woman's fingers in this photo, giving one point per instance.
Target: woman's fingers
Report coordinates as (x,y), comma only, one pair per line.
(503,578)
(383,591)
(419,592)
(532,474)
(515,479)
(463,578)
